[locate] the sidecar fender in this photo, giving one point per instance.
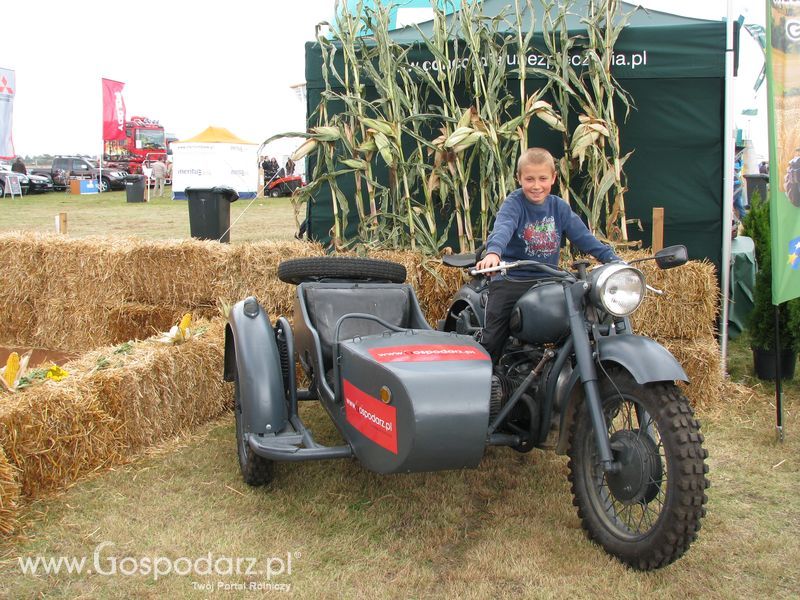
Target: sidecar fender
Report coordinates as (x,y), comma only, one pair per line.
(645,359)
(251,353)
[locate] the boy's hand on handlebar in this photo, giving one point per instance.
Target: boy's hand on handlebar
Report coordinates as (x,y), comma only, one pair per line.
(488,261)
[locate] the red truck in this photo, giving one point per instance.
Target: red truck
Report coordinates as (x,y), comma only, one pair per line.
(144,140)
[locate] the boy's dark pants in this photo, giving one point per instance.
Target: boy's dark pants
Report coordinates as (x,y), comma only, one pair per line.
(503,294)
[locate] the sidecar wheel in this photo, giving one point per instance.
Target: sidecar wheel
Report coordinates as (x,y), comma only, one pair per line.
(649,512)
(256,470)
(299,270)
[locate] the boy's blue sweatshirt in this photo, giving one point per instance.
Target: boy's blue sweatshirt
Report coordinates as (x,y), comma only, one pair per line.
(527,231)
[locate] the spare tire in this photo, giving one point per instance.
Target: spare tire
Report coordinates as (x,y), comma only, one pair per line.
(299,270)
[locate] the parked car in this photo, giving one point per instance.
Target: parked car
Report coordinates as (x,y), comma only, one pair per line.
(39,184)
(65,168)
(24,181)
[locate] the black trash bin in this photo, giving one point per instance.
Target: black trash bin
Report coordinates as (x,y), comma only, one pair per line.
(134,188)
(756,181)
(210,212)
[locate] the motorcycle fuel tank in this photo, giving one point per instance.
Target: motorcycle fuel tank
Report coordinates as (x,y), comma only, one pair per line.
(416,400)
(540,315)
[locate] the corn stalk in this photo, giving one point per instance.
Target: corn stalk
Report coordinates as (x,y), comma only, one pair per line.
(448,153)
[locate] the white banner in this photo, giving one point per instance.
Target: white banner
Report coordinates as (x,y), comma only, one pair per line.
(8,89)
(211,164)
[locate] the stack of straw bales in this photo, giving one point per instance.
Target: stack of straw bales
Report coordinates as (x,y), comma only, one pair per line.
(683,321)
(111,404)
(73,294)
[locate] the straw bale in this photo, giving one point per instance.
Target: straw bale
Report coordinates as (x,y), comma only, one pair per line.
(174,273)
(19,254)
(54,433)
(253,271)
(701,360)
(51,434)
(159,390)
(9,495)
(689,307)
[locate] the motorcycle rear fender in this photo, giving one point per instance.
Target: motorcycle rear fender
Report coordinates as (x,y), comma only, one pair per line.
(646,360)
(251,351)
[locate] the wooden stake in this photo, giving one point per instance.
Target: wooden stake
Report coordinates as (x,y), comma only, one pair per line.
(658,229)
(61,223)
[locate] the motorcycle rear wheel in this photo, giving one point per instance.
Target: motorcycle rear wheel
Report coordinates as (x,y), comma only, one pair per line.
(648,514)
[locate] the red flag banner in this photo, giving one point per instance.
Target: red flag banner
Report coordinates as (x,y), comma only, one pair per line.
(113,110)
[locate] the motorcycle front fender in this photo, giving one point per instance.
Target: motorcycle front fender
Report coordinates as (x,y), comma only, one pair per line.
(251,353)
(645,359)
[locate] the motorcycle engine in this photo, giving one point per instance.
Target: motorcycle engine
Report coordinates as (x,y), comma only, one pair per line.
(513,367)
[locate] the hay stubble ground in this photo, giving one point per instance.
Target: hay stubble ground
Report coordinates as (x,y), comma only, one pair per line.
(506,529)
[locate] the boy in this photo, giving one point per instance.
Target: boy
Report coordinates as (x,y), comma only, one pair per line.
(529,226)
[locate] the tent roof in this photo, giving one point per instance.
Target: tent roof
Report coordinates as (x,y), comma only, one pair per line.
(638,17)
(218,135)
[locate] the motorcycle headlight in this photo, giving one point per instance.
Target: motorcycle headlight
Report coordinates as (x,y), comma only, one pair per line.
(618,288)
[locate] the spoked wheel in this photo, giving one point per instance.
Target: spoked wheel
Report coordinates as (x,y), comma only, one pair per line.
(256,470)
(648,513)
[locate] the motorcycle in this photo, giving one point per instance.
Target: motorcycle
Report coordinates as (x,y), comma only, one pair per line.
(406,397)
(573,376)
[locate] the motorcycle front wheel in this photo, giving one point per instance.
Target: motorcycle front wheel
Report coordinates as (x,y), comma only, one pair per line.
(648,513)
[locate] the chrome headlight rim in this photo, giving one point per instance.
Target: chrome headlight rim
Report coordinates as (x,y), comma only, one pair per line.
(604,276)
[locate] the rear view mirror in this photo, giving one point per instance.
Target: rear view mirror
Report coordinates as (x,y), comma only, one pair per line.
(672,256)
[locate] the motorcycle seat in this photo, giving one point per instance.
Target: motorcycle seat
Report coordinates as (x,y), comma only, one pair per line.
(462,261)
(326,303)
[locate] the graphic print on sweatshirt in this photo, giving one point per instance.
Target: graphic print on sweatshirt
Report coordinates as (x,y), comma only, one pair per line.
(540,238)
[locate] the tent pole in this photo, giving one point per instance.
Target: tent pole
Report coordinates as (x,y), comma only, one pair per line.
(727,190)
(778,375)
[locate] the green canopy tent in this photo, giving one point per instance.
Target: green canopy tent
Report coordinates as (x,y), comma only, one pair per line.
(674,68)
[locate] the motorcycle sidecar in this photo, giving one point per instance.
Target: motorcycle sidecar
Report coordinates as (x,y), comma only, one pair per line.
(403,396)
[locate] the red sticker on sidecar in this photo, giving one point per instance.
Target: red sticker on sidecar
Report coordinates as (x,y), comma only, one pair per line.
(376,420)
(428,353)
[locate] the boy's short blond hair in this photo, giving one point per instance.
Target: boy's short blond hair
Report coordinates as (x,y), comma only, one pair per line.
(535,156)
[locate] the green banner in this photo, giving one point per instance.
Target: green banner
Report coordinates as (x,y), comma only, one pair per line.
(783,99)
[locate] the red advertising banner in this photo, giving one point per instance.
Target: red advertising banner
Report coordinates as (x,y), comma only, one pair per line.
(113,110)
(428,353)
(374,419)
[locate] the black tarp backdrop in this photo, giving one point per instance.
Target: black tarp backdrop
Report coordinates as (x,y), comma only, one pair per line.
(674,69)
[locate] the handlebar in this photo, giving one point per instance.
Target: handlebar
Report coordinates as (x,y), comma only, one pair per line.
(503,266)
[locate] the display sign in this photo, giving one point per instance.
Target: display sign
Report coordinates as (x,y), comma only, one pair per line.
(211,164)
(12,186)
(783,102)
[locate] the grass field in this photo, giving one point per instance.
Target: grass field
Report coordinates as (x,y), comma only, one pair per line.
(505,530)
(161,218)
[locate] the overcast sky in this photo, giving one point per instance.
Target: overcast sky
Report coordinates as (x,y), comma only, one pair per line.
(187,64)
